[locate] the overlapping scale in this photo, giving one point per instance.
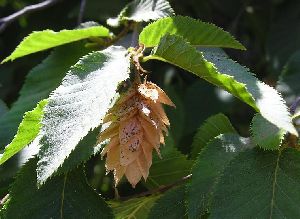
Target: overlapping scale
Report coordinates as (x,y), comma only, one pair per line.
(137,125)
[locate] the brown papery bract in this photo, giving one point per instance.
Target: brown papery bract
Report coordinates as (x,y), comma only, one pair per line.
(137,125)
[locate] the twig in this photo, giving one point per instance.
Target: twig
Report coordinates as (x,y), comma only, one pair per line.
(81,11)
(5,21)
(2,202)
(158,190)
(294,105)
(135,34)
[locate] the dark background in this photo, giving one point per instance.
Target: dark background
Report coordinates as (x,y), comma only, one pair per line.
(269,29)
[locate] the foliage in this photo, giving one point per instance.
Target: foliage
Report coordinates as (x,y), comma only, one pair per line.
(65,196)
(27,132)
(38,41)
(196,32)
(209,172)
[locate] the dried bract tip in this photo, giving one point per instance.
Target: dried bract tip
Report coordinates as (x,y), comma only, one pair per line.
(138,124)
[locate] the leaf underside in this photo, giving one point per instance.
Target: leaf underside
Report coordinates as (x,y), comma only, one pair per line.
(143,10)
(41,80)
(46,39)
(265,134)
(194,31)
(79,105)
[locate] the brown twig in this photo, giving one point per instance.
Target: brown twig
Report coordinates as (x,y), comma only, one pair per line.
(158,190)
(5,21)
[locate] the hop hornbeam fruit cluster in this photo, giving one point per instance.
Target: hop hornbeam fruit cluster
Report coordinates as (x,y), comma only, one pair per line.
(138,124)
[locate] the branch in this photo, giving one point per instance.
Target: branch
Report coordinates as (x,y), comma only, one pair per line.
(159,189)
(5,21)
(81,11)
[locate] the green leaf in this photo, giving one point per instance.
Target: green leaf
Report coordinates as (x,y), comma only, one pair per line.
(194,31)
(143,10)
(67,196)
(265,134)
(79,105)
(279,43)
(40,81)
(260,184)
(217,69)
(84,150)
(170,205)
(3,108)
(176,117)
(194,97)
(27,132)
(289,84)
(173,166)
(133,208)
(42,40)
(208,168)
(213,126)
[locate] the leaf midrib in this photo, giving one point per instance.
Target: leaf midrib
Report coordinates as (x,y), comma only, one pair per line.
(274,184)
(63,197)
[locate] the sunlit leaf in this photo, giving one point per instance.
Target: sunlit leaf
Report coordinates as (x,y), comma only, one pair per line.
(194,31)
(39,83)
(27,132)
(42,40)
(217,69)
(79,105)
(143,10)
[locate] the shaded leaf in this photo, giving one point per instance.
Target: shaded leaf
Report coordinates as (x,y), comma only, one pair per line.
(208,168)
(79,105)
(265,134)
(288,83)
(259,184)
(170,205)
(195,96)
(280,44)
(67,196)
(40,81)
(27,132)
(143,10)
(194,31)
(42,40)
(173,166)
(3,108)
(217,69)
(133,208)
(213,126)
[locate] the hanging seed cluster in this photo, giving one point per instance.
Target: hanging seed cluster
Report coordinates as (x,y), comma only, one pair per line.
(138,124)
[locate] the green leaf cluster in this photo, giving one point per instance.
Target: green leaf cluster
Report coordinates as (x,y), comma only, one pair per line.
(223,175)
